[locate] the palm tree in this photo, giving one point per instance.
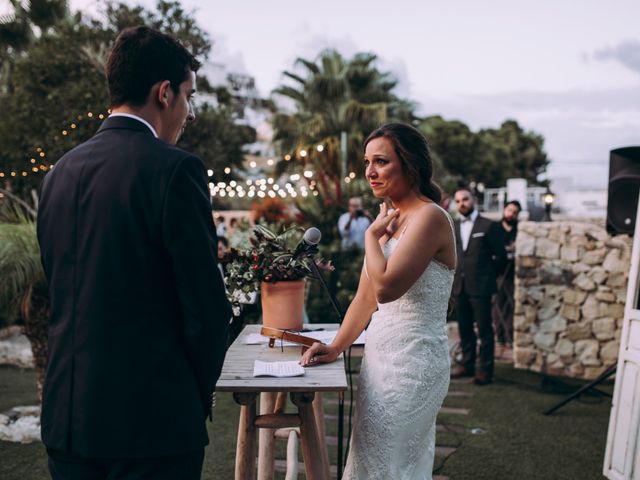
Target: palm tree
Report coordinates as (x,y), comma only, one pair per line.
(19,29)
(23,287)
(334,96)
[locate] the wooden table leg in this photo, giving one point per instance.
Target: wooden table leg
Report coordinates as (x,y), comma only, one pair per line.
(266,440)
(315,466)
(246,446)
(281,403)
(318,411)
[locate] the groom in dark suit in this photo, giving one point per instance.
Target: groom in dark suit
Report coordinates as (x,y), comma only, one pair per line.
(139,317)
(481,255)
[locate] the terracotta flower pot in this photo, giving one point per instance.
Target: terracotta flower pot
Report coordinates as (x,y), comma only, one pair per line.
(282,304)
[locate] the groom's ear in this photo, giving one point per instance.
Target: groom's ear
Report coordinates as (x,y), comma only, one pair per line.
(164,93)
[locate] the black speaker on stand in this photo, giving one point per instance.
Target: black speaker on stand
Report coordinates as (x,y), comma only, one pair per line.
(624,186)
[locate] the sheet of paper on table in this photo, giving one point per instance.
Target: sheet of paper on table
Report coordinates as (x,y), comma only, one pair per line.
(277,369)
(325,336)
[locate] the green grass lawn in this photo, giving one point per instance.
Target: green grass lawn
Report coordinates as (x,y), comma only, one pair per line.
(518,441)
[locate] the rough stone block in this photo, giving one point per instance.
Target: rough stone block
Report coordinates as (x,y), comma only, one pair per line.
(617,279)
(552,358)
(579,268)
(591,308)
(525,244)
(574,297)
(614,310)
(621,294)
(553,297)
(591,373)
(576,370)
(544,340)
(604,328)
(608,297)
(564,348)
(557,369)
(520,294)
(554,325)
(616,261)
(541,231)
(523,357)
(578,331)
(555,291)
(528,262)
(599,233)
(609,352)
(527,227)
(556,235)
(585,283)
(520,323)
(536,295)
(594,257)
(590,246)
(579,229)
(547,249)
(518,308)
(570,312)
(587,352)
(530,312)
(578,241)
(598,275)
(522,339)
(546,313)
(569,254)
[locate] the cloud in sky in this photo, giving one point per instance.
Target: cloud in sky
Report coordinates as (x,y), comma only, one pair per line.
(627,53)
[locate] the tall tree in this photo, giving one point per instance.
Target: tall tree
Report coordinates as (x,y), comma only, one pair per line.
(60,94)
(333,95)
(490,156)
(20,28)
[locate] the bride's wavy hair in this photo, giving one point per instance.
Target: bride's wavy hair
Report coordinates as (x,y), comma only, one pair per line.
(413,151)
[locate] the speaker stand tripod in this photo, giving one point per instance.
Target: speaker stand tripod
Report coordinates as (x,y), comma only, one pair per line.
(589,386)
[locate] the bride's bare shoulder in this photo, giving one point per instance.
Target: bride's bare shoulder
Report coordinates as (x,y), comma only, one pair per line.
(431,215)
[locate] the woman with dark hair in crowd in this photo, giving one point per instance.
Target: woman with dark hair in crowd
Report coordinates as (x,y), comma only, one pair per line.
(403,296)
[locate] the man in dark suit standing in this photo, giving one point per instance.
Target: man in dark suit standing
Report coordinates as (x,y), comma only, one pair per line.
(139,317)
(481,255)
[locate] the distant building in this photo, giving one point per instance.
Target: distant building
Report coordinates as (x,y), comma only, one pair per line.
(569,200)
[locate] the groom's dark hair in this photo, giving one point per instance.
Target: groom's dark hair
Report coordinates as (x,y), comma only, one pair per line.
(142,57)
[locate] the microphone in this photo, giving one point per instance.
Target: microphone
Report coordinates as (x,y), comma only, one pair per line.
(308,244)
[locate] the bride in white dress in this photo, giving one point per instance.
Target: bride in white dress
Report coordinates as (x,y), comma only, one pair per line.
(403,297)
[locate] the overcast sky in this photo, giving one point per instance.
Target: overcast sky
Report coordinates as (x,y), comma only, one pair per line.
(569,70)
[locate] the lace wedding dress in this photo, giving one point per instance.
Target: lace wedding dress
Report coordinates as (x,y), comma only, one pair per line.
(403,380)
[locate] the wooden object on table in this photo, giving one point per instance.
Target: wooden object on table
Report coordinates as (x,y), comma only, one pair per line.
(237,377)
(287,336)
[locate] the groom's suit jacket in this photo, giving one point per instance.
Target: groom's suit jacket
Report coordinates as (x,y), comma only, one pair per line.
(139,317)
(479,263)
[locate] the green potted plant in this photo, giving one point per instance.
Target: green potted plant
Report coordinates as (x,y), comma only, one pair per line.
(23,287)
(270,267)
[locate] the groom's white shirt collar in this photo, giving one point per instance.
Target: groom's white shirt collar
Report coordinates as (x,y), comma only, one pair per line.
(135,117)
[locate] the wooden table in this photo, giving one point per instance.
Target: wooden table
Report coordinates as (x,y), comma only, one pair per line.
(237,377)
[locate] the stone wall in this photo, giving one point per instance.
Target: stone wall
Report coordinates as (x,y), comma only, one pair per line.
(570,292)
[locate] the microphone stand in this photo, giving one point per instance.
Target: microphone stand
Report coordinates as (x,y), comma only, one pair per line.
(338,310)
(325,287)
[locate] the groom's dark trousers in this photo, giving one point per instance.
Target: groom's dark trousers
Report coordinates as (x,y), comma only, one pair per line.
(139,317)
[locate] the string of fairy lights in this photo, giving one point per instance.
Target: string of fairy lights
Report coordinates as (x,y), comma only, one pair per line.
(37,161)
(260,187)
